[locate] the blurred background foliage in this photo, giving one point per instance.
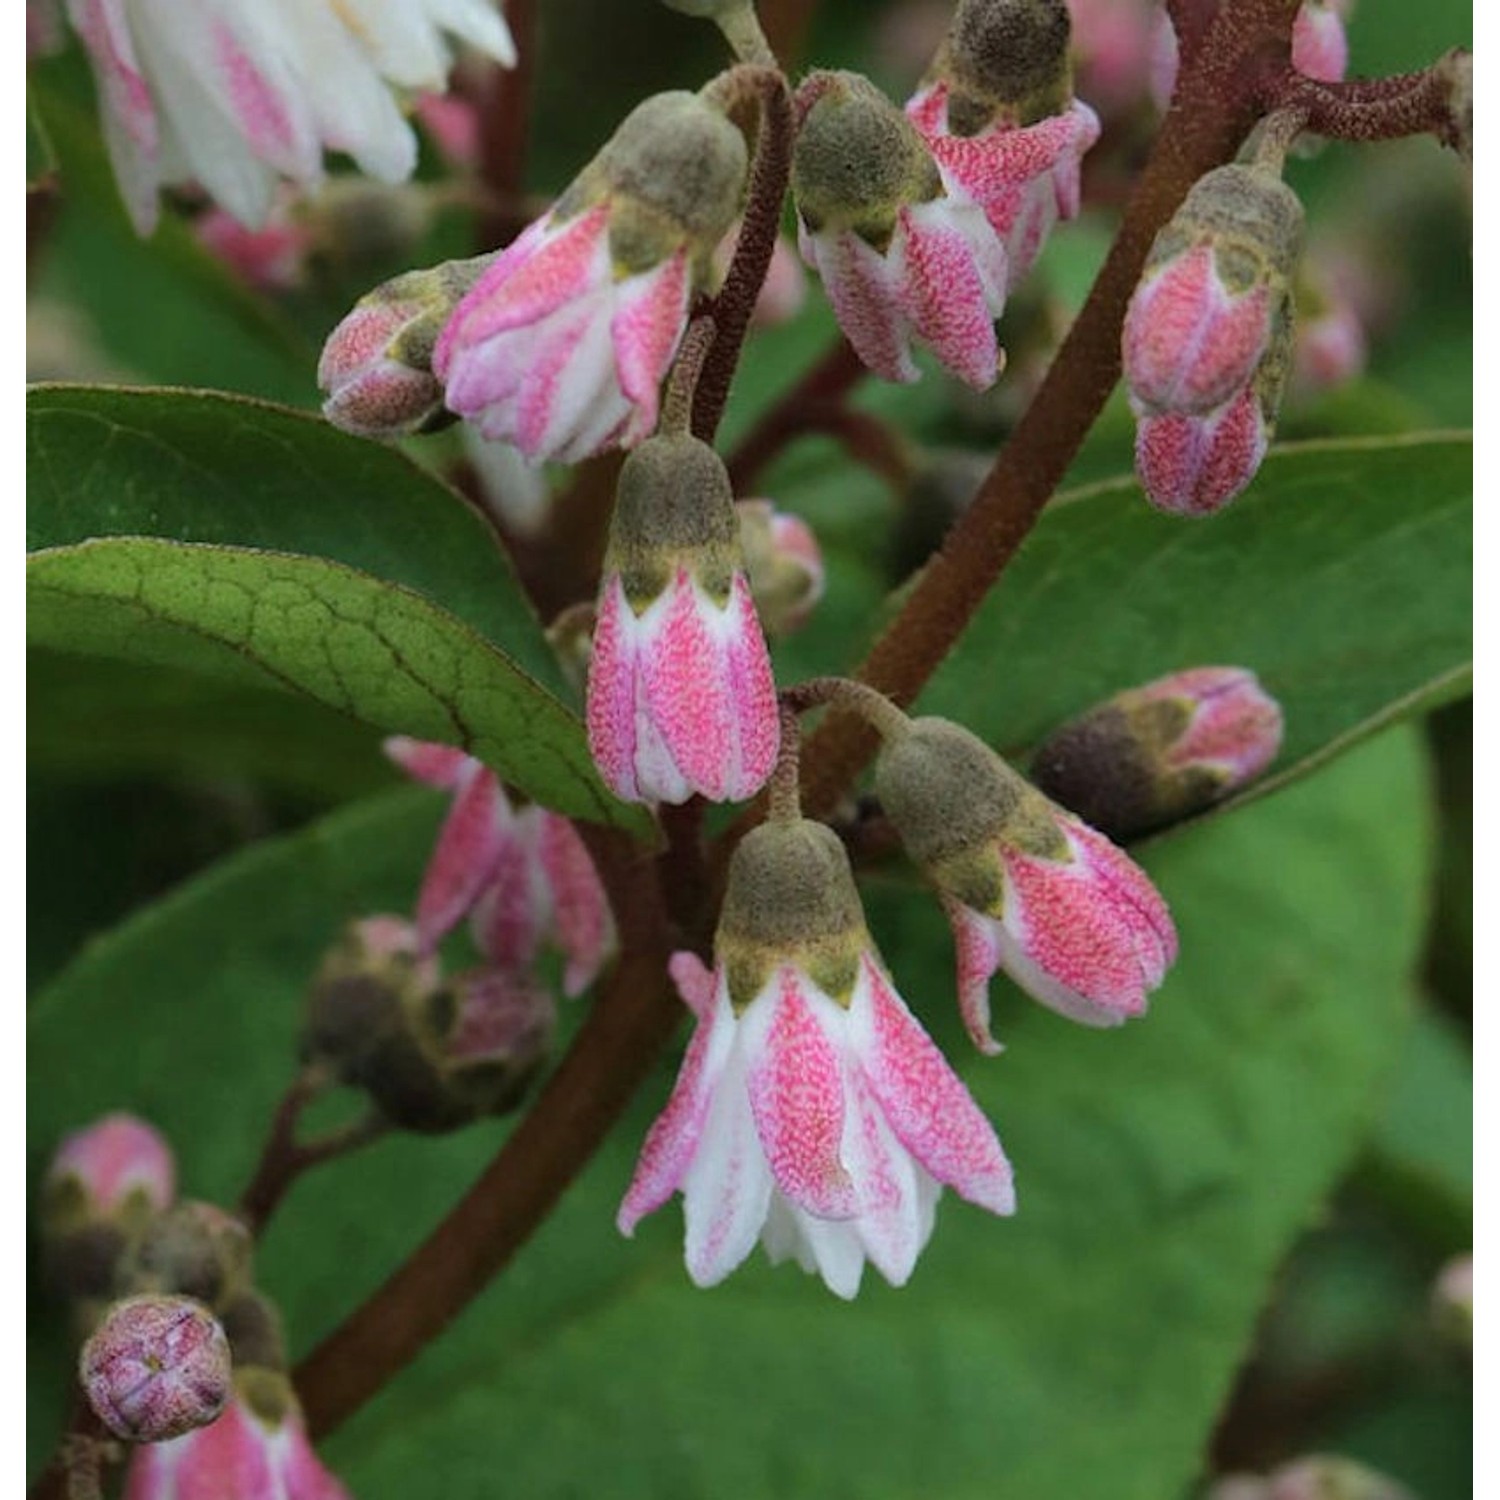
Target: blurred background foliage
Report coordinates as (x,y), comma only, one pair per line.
(1231,1215)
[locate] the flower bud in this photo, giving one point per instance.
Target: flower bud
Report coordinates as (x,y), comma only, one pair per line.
(252,1324)
(1005,61)
(118,1167)
(1027,886)
(782,562)
(902,255)
(1153,755)
(156,1367)
(377,364)
(680,694)
(1320,46)
(1324,1477)
(194,1250)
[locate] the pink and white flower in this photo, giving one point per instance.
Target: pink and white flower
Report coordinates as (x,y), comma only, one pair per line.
(244,1455)
(1193,465)
(240,96)
(1025,177)
(562,345)
(681,699)
(117,1158)
(825,1130)
(524,878)
(1084,932)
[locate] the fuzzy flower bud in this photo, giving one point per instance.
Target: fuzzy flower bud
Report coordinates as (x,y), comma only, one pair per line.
(118,1166)
(1207,338)
(258,1449)
(563,343)
(812,1112)
(1153,755)
(377,364)
(156,1367)
(997,110)
(1027,886)
(194,1250)
(432,1056)
(783,563)
(681,699)
(904,254)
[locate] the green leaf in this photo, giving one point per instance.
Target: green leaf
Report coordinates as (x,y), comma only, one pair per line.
(1342,578)
(170,528)
(1080,1349)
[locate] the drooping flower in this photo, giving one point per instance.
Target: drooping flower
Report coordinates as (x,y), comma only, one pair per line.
(1154,754)
(812,1112)
(1028,887)
(523,877)
(681,699)
(156,1367)
(563,343)
(240,96)
(258,1450)
(903,255)
(1207,340)
(998,113)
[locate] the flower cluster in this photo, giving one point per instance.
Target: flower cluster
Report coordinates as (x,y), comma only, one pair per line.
(239,97)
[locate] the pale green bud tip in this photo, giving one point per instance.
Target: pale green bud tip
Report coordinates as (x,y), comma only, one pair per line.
(858,160)
(791,898)
(1006,57)
(1253,219)
(674,507)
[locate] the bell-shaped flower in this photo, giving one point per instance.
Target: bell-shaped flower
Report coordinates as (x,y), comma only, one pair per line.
(524,878)
(562,345)
(812,1112)
(998,113)
(904,255)
(258,1450)
(239,96)
(1028,887)
(1155,754)
(681,699)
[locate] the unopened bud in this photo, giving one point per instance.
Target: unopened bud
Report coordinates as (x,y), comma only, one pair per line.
(377,364)
(1005,61)
(156,1367)
(858,161)
(252,1324)
(1153,755)
(118,1167)
(194,1250)
(791,899)
(783,563)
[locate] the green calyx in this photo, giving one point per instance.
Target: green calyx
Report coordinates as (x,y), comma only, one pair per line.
(858,160)
(674,508)
(673,175)
(1005,62)
(1253,221)
(955,803)
(791,899)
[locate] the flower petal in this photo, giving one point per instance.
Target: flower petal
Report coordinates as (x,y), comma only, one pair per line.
(464,857)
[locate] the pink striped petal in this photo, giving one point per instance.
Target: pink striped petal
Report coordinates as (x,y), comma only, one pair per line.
(105,29)
(796,1086)
(974,936)
(610,699)
(945,295)
(508,917)
(925,1104)
(424,760)
(464,857)
(581,916)
(890,1222)
(677,1133)
(752,692)
(651,314)
(866,301)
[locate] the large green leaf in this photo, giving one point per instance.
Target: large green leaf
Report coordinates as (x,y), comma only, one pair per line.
(214,534)
(1080,1350)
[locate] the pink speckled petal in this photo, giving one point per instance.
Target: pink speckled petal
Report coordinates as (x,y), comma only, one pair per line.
(863,288)
(890,1222)
(508,918)
(694,981)
(568,367)
(581,916)
(925,1104)
(228,1458)
(752,693)
(1194,465)
(650,316)
(1236,724)
(105,30)
(463,859)
(796,1086)
(684,683)
(610,699)
(974,938)
(677,1133)
(437,765)
(946,298)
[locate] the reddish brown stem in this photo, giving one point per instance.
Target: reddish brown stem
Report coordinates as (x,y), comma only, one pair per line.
(1210,117)
(1190,20)
(505,130)
(752,254)
(825,385)
(785,23)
